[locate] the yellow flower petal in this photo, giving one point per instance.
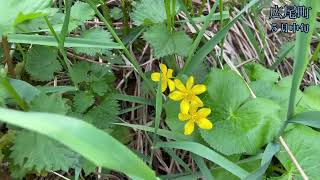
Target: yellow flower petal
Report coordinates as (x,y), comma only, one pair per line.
(155,76)
(163,68)
(184,106)
(204,123)
(164,85)
(176,95)
(170,73)
(183,117)
(171,85)
(198,89)
(190,83)
(188,128)
(196,101)
(204,112)
(179,85)
(193,108)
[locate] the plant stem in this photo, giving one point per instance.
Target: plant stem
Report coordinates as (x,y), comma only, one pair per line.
(133,61)
(105,11)
(168,12)
(6,56)
(61,39)
(124,7)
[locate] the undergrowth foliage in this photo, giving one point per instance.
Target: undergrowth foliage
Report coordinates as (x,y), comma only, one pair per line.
(66,69)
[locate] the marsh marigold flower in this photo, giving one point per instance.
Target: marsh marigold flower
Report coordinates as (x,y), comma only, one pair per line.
(188,94)
(166,78)
(196,117)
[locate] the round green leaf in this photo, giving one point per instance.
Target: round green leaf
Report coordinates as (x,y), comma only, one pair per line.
(241,124)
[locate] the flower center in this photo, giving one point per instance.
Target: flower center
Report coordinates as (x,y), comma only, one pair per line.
(188,95)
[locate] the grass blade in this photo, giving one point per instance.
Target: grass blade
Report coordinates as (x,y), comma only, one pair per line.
(203,167)
(302,49)
(198,58)
(282,55)
(70,41)
(157,118)
(161,132)
(267,156)
(311,119)
(209,154)
(134,99)
(94,144)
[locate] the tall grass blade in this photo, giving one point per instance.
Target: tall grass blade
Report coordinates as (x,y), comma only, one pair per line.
(301,60)
(69,42)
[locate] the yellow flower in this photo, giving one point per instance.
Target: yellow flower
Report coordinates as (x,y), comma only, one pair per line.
(188,94)
(196,117)
(166,78)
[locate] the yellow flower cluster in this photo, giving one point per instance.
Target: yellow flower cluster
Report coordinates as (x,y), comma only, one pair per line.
(187,94)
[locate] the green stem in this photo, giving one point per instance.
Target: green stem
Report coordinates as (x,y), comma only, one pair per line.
(125,50)
(124,7)
(6,56)
(173,13)
(105,11)
(168,12)
(6,84)
(60,45)
(64,33)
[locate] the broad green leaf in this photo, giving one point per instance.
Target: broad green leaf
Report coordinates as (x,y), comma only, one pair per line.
(241,124)
(83,138)
(70,41)
(209,154)
(311,118)
(97,35)
(226,91)
(150,12)
(166,43)
(103,115)
(54,104)
(280,92)
(14,12)
(42,63)
(304,143)
(310,100)
(258,72)
(81,12)
(82,101)
(35,151)
(116,13)
(25,90)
